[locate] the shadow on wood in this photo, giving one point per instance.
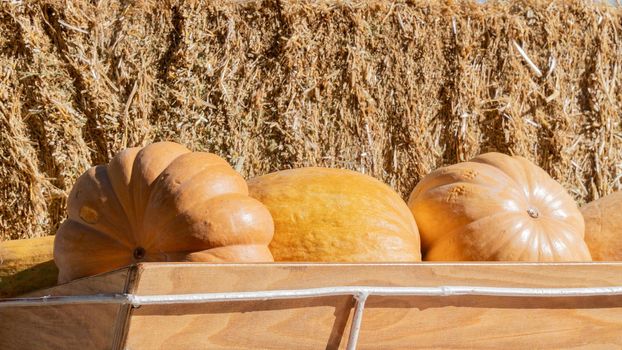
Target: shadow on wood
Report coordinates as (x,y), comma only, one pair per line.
(39,276)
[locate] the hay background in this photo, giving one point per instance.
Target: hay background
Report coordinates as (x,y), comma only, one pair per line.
(392,89)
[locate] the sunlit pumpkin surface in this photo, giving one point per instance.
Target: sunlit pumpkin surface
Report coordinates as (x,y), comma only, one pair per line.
(603,227)
(160,203)
(497,207)
(336,215)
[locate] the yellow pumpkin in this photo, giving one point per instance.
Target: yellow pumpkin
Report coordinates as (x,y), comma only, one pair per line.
(335,215)
(497,207)
(160,203)
(603,227)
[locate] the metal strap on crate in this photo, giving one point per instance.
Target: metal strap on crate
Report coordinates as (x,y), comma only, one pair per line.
(359,293)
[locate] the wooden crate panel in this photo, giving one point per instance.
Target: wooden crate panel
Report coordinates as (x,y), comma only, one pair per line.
(65,327)
(471,322)
(317,323)
(389,322)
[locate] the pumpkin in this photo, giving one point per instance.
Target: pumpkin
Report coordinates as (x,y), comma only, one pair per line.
(603,227)
(497,207)
(26,265)
(160,203)
(335,215)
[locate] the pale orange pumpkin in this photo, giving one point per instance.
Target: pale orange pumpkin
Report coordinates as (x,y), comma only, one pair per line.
(497,207)
(603,227)
(160,203)
(336,215)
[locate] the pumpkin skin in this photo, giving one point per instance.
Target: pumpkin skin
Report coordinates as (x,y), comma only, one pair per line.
(497,208)
(160,203)
(335,215)
(603,227)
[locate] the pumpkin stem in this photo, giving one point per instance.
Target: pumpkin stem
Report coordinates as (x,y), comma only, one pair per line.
(533,212)
(139,253)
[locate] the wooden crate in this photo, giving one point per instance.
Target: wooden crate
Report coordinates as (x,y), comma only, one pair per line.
(388,322)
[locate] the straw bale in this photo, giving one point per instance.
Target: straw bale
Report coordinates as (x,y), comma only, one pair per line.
(394,89)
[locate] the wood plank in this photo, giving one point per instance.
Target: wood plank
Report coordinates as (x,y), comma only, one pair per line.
(492,323)
(112,282)
(179,278)
(89,326)
(26,265)
(389,322)
(284,324)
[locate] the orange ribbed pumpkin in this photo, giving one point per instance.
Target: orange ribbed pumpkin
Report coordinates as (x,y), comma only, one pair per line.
(603,227)
(160,203)
(497,207)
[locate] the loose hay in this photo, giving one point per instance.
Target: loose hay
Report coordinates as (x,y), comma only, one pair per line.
(392,89)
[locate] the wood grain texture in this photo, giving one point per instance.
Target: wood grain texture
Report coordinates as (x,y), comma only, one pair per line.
(26,265)
(465,322)
(163,278)
(491,323)
(64,327)
(283,324)
(457,322)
